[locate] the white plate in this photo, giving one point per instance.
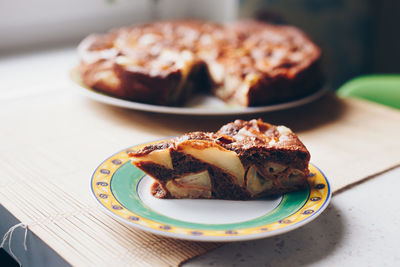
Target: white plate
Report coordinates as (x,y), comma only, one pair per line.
(199,105)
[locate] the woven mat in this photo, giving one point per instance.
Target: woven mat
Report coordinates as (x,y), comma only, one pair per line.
(51,144)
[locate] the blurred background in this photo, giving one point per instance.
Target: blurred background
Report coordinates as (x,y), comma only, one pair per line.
(357,36)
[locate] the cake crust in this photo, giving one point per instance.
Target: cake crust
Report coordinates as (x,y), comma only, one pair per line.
(242,160)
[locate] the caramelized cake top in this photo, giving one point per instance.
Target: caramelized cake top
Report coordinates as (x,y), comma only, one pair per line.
(246,47)
(238,136)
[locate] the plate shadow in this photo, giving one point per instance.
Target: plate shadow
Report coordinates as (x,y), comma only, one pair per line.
(301,247)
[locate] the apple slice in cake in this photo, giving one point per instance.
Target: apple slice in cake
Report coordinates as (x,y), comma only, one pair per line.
(243,160)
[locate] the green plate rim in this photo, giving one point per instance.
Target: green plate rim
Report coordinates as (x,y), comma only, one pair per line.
(289,204)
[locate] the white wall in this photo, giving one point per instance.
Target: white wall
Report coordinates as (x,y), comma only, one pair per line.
(32,23)
(218,10)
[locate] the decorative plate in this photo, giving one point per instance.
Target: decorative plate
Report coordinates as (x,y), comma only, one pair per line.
(199,105)
(124,192)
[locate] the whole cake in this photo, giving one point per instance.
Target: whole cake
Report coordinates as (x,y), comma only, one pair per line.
(243,160)
(246,63)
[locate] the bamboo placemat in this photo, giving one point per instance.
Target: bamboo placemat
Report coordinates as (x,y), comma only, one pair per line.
(52,143)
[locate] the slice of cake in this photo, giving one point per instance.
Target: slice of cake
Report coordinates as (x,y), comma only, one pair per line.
(243,160)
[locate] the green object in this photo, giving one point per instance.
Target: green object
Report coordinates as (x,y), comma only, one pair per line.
(379,88)
(126,179)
